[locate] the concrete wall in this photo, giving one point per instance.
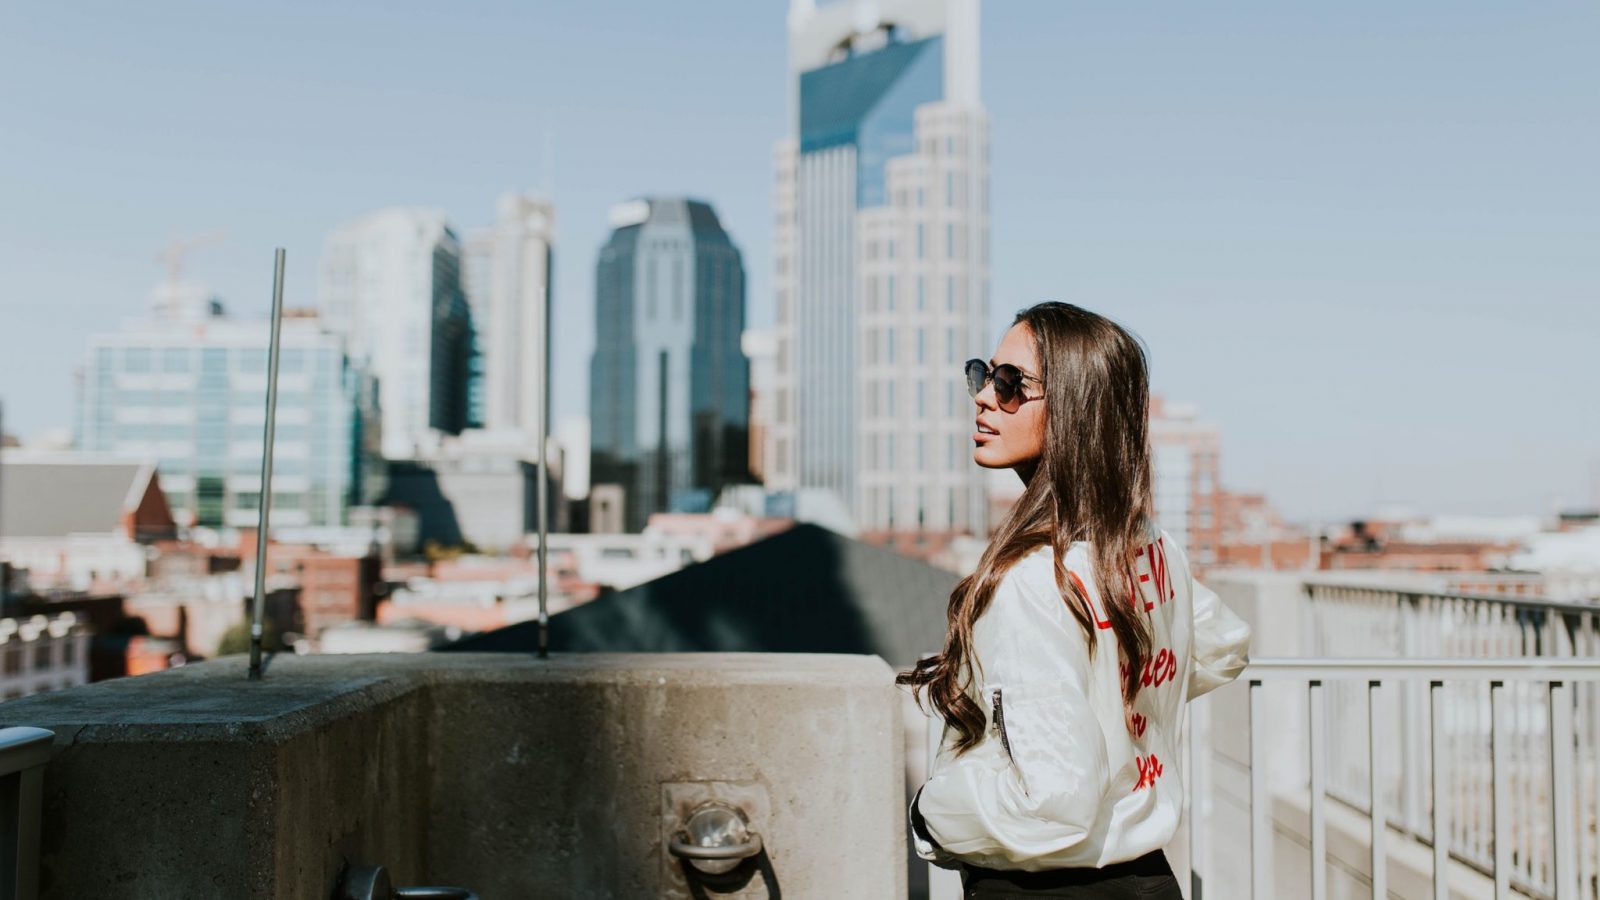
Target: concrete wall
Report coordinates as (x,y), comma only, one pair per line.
(512,776)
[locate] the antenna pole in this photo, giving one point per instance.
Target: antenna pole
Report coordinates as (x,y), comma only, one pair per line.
(258,611)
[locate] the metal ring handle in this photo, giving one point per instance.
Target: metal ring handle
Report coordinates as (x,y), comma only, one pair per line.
(372,883)
(682,848)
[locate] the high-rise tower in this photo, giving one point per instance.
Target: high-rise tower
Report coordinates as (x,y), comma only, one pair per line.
(669,384)
(881,254)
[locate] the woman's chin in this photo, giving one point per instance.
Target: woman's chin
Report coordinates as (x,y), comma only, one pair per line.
(990,457)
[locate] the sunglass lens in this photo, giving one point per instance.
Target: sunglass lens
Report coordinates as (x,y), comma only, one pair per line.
(977,375)
(1006,382)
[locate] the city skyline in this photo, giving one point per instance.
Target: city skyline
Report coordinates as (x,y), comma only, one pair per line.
(1376,279)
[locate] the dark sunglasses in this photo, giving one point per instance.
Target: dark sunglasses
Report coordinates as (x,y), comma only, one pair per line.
(1007,380)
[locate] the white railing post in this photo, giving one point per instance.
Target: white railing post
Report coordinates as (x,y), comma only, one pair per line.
(1260,833)
(1500,766)
(1410,714)
(1441,793)
(1319,790)
(1377,808)
(1562,789)
(23,755)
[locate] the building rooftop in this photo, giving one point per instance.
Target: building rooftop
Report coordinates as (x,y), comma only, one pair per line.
(60,494)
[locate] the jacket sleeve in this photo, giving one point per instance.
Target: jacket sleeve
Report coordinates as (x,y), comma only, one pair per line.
(1034,786)
(1221,643)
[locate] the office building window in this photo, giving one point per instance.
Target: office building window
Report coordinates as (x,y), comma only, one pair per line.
(921,240)
(175,359)
(136,359)
(922,346)
(922,300)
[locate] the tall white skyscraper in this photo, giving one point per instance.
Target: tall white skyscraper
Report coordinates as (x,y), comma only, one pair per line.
(391,282)
(882,261)
(515,334)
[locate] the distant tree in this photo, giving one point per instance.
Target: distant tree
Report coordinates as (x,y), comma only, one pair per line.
(434,551)
(237,638)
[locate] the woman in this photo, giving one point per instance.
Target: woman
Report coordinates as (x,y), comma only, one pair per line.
(1074,646)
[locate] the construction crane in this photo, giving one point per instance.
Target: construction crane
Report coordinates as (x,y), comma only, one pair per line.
(178,249)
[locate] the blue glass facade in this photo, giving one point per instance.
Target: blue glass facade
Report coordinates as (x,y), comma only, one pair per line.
(869,101)
(669,382)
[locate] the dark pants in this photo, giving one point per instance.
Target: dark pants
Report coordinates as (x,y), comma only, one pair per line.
(1146,878)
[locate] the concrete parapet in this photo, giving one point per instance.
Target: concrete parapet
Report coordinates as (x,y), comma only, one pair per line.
(513,776)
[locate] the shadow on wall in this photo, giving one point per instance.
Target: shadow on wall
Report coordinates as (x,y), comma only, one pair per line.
(805,590)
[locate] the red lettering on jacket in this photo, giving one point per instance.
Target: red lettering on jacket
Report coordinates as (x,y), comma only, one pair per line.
(1100,621)
(1158,571)
(1158,669)
(1156,552)
(1150,769)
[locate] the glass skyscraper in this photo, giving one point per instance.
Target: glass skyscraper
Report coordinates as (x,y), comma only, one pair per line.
(187,388)
(881,253)
(391,283)
(669,383)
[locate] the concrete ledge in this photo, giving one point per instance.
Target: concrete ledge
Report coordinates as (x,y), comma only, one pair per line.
(514,776)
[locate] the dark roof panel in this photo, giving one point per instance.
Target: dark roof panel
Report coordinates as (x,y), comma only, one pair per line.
(806,590)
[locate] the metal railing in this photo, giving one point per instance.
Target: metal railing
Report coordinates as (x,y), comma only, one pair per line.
(1507,770)
(1351,621)
(23,754)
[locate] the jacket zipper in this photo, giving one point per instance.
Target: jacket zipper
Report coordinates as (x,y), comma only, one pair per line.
(1005,740)
(1000,724)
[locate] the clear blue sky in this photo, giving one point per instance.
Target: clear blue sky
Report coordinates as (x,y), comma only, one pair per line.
(1363,237)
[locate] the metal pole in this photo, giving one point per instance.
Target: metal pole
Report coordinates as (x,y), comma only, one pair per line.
(259,609)
(5,583)
(543,488)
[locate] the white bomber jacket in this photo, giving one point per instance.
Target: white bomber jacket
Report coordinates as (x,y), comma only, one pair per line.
(1065,775)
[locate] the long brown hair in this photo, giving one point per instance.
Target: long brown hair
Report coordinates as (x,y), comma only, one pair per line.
(1092,483)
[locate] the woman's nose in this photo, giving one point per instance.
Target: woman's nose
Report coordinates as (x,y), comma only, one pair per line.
(985,397)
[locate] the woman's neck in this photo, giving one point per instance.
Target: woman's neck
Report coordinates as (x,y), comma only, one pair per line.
(1026,470)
